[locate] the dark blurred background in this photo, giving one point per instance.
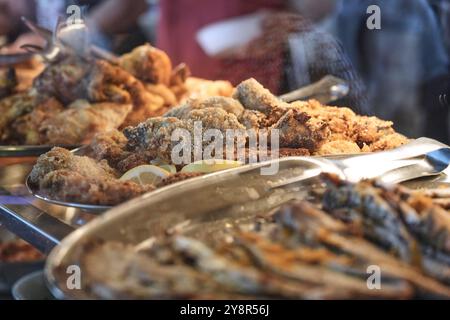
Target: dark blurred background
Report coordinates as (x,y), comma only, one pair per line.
(399,72)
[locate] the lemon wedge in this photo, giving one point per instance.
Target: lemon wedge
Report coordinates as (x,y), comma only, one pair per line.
(211,165)
(145,174)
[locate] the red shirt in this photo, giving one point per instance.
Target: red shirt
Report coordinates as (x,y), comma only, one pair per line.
(181,19)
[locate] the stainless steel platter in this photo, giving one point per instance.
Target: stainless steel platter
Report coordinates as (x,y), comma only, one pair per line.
(206,205)
(28,151)
(205,208)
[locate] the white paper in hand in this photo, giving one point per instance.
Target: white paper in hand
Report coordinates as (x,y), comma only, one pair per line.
(232,33)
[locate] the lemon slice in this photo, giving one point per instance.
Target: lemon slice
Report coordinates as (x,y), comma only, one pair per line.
(211,165)
(164,165)
(145,174)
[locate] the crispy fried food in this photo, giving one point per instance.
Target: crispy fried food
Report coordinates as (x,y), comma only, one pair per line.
(66,177)
(64,79)
(199,88)
(229,105)
(253,119)
(13,107)
(112,83)
(81,121)
(109,146)
(8,81)
(180,75)
(67,185)
(298,130)
(338,147)
(254,96)
(155,135)
(27,128)
(148,64)
(63,159)
(388,141)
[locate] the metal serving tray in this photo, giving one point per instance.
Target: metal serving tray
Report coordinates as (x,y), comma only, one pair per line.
(202,207)
(29,151)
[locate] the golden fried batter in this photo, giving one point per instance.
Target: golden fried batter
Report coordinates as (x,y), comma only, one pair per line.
(148,64)
(63,176)
(254,96)
(27,127)
(81,121)
(13,107)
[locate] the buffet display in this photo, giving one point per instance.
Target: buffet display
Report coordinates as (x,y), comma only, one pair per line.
(177,229)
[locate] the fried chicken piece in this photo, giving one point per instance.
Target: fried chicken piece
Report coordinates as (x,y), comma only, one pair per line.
(81,121)
(148,64)
(229,105)
(345,125)
(60,158)
(177,177)
(215,118)
(67,185)
(108,83)
(8,81)
(201,88)
(110,146)
(64,79)
(253,119)
(164,92)
(178,79)
(13,107)
(298,130)
(63,176)
(155,134)
(388,142)
(26,128)
(370,129)
(254,96)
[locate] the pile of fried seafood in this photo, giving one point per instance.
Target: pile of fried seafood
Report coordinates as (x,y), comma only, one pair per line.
(328,248)
(303,128)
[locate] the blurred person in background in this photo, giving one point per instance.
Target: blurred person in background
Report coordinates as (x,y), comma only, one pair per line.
(273,56)
(405,65)
(270,57)
(113,24)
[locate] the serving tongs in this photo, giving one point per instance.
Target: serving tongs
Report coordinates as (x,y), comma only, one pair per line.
(326,90)
(73,37)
